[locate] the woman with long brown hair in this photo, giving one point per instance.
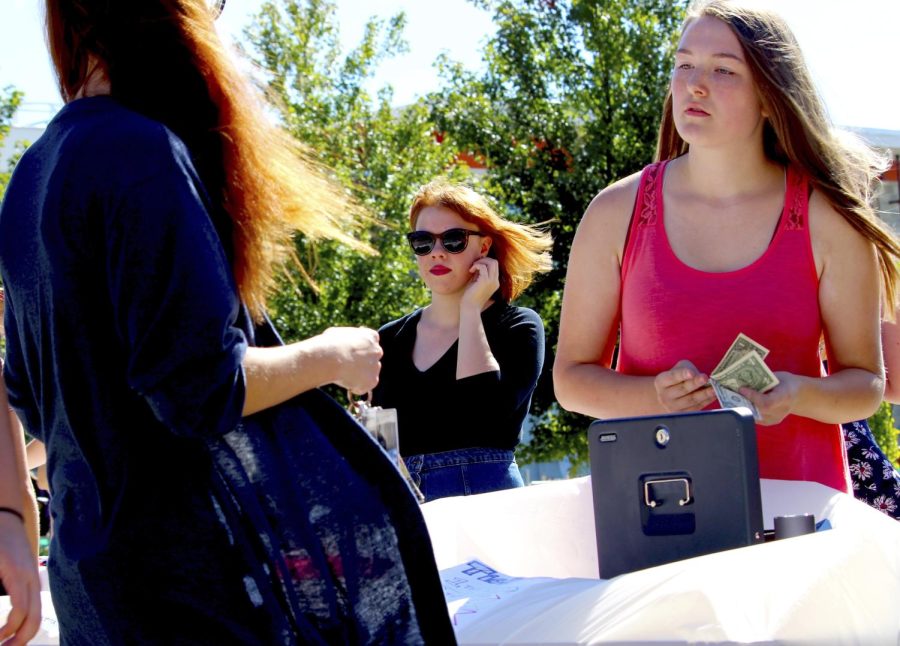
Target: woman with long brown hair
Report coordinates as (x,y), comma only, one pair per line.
(756,220)
(193,485)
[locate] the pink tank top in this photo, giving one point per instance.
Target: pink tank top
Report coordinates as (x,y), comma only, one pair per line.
(670,311)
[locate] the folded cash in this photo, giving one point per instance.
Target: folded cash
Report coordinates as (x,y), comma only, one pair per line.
(730,399)
(739,347)
(743,365)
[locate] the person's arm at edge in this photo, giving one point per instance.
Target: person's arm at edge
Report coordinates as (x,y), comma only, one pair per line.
(848,282)
(35,454)
(29,502)
(474,353)
(890,341)
(582,377)
(18,559)
(519,353)
(348,357)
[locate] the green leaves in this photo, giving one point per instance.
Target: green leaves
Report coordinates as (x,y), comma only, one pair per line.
(568,100)
(379,152)
(10,99)
(882,425)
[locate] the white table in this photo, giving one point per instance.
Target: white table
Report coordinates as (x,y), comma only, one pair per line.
(833,587)
(836,586)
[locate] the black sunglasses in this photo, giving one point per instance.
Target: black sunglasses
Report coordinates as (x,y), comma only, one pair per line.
(452,240)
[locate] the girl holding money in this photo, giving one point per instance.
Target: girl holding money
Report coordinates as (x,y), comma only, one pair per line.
(755,219)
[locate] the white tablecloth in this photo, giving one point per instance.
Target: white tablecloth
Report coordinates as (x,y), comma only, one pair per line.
(836,586)
(840,586)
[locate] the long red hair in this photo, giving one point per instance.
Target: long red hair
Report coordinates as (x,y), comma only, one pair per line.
(165,60)
(521,250)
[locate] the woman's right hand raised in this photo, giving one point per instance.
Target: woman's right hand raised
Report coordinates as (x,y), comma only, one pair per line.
(683,388)
(357,356)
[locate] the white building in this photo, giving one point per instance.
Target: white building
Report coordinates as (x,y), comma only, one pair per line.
(888,200)
(28,124)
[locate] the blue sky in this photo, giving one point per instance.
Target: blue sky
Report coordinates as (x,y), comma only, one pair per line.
(850,46)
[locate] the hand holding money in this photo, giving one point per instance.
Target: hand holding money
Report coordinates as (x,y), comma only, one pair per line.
(742,366)
(683,388)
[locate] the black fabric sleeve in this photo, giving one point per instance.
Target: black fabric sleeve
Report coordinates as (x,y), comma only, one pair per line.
(499,397)
(174,299)
(18,388)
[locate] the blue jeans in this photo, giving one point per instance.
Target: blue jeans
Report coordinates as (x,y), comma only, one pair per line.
(463,472)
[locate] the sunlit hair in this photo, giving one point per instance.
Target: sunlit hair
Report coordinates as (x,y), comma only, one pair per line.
(797,130)
(165,60)
(521,250)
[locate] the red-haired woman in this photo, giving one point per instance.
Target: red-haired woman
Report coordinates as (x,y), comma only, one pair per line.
(192,489)
(461,371)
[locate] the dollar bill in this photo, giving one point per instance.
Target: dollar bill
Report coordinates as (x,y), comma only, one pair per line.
(730,399)
(742,345)
(750,371)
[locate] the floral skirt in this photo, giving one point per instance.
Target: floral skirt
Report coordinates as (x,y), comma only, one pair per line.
(875,480)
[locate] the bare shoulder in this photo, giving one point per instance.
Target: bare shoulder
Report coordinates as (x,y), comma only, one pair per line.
(832,235)
(609,213)
(616,200)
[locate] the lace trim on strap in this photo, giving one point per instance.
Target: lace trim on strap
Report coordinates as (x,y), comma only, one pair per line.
(650,197)
(796,194)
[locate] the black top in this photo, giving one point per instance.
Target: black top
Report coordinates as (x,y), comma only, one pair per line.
(438,412)
(125,340)
(124,347)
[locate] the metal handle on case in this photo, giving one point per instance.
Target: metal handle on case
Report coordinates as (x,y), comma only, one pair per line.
(681,501)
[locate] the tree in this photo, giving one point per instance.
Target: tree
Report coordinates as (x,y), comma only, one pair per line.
(882,425)
(569,102)
(10,99)
(380,153)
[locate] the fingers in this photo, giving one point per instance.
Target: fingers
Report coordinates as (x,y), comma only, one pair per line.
(24,620)
(683,378)
(681,372)
(485,281)
(364,365)
(683,388)
(485,268)
(693,400)
(363,378)
(363,387)
(773,406)
(19,574)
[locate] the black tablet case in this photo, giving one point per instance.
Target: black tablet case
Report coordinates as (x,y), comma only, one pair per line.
(672,487)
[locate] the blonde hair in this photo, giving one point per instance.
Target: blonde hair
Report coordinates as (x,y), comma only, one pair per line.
(797,130)
(165,60)
(521,250)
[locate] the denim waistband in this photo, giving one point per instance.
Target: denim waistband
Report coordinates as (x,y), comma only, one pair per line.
(457,457)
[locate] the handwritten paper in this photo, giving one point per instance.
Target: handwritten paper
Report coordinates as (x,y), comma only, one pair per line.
(473,588)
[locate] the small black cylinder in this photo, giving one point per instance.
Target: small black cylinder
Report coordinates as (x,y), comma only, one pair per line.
(789,526)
